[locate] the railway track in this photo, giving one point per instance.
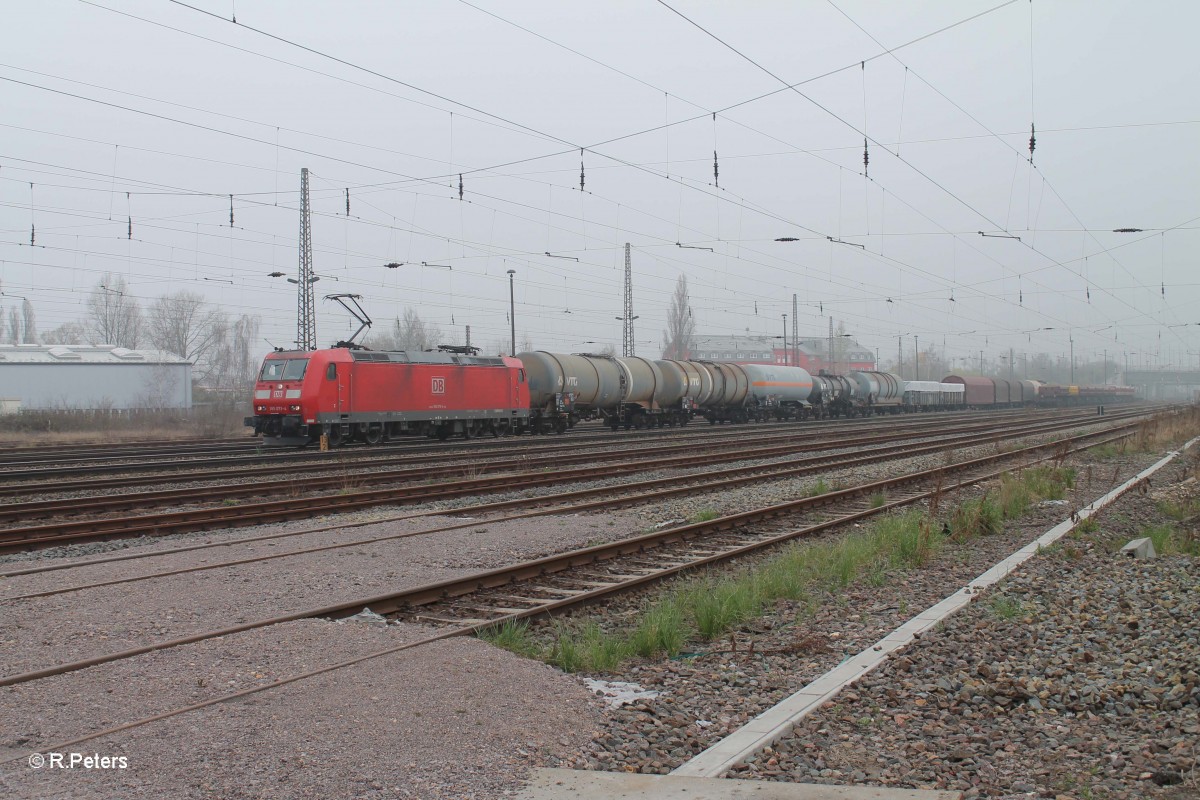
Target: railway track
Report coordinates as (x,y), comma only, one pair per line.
(468,607)
(576,502)
(36,536)
(557,582)
(92,464)
(56,480)
(426,468)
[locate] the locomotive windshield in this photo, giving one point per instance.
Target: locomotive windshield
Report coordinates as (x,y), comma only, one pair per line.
(280,369)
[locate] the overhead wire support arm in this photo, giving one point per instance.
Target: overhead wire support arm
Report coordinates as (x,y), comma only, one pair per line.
(548,254)
(693,247)
(836,240)
(999,235)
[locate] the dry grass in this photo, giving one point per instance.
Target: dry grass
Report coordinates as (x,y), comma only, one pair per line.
(1167,429)
(67,427)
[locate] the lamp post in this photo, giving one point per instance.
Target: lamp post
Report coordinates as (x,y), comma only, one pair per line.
(786,359)
(512,313)
(1072,339)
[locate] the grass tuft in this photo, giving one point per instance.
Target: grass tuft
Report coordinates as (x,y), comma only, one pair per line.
(818,488)
(1005,607)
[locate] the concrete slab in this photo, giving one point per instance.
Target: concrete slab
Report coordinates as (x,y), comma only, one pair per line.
(1140,548)
(556,784)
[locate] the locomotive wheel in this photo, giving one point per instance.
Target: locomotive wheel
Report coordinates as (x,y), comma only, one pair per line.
(467,433)
(373,435)
(442,433)
(560,426)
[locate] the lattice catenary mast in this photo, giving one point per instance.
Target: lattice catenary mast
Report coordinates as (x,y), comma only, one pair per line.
(306,312)
(628,347)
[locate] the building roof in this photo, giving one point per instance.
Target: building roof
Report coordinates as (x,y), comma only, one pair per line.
(732,344)
(811,345)
(83,354)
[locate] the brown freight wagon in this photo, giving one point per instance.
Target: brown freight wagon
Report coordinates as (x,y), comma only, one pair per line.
(977,391)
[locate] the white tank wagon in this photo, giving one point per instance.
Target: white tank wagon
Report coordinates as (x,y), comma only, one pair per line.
(877,392)
(757,392)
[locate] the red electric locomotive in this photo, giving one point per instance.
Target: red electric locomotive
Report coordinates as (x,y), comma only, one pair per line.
(368,395)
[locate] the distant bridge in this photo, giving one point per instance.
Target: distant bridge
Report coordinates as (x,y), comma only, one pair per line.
(1165,384)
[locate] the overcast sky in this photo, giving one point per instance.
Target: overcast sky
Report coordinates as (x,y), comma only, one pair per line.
(157,112)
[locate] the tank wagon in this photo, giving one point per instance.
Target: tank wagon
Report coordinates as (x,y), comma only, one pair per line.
(756,392)
(628,392)
(832,395)
(876,393)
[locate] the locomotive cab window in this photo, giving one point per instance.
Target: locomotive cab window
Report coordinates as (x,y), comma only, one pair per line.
(294,370)
(272,370)
(520,376)
(331,372)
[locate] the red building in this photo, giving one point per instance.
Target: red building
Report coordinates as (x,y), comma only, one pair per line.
(811,353)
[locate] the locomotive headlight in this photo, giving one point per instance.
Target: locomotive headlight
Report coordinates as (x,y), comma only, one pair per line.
(294,408)
(262,408)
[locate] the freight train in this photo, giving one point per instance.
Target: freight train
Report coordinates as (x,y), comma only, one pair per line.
(347,394)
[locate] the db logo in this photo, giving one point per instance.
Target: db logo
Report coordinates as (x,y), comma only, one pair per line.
(439,385)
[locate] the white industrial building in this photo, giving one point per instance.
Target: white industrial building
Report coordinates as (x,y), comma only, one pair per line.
(91,377)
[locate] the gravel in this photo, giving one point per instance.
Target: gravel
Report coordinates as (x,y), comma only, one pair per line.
(353,733)
(1087,659)
(43,631)
(57,629)
(720,686)
(453,719)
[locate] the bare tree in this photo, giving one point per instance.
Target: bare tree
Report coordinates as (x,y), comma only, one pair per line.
(67,333)
(677,338)
(30,321)
(114,317)
(185,325)
(233,361)
(841,349)
(14,325)
(409,333)
(933,366)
